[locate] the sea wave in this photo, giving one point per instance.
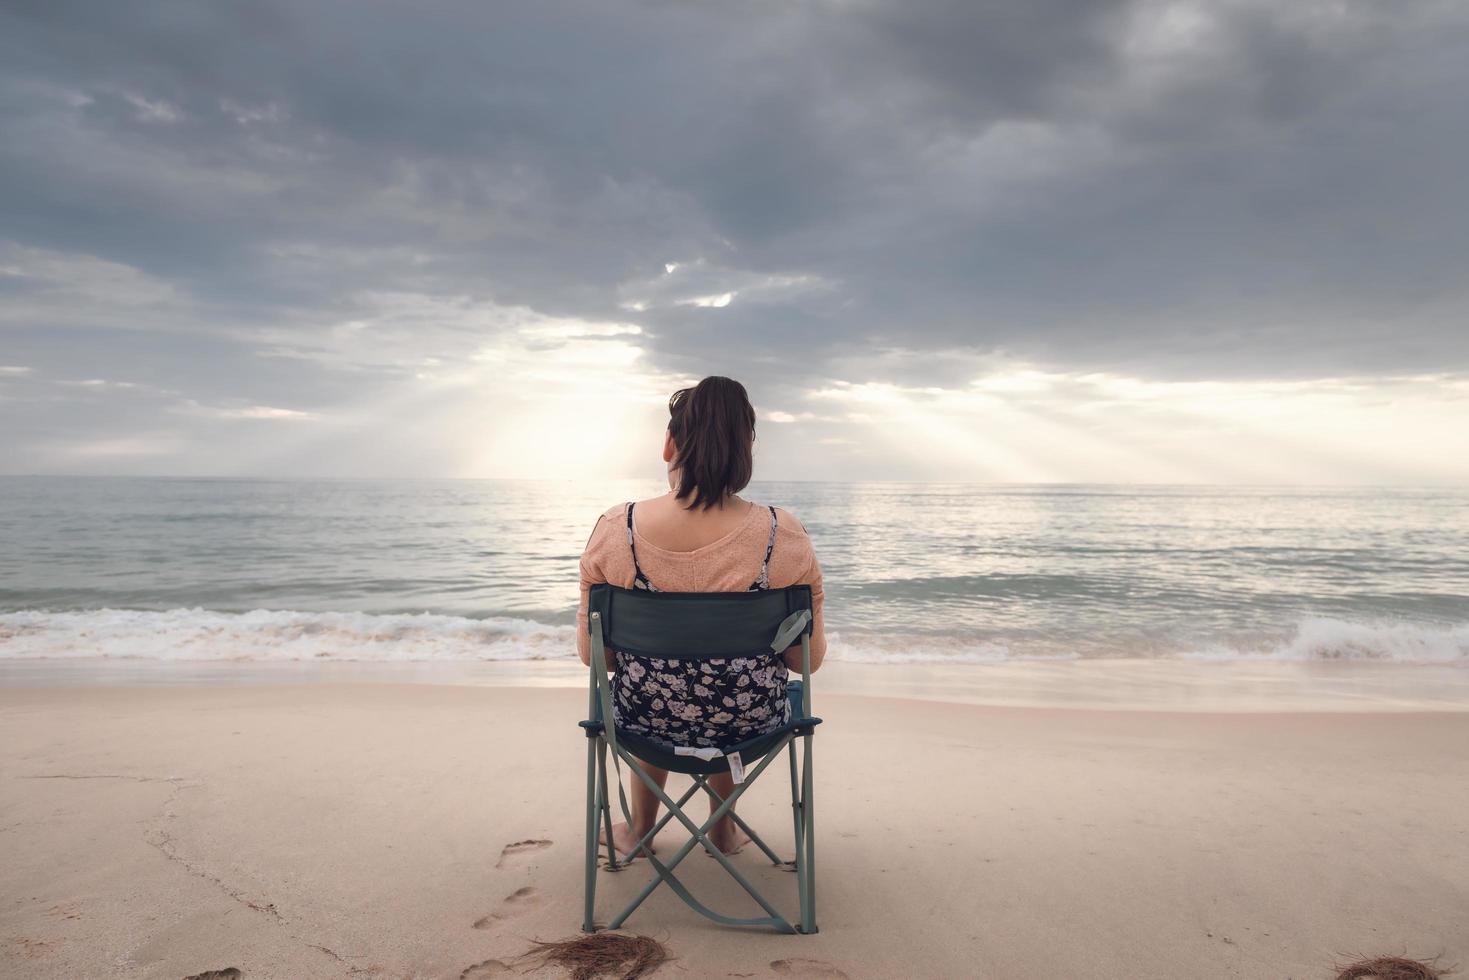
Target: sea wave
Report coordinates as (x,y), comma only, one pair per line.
(1317,639)
(265,635)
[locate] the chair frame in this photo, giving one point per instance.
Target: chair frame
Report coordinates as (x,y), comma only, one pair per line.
(602,740)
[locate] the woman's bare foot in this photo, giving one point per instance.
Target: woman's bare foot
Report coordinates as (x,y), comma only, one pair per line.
(626,840)
(728,837)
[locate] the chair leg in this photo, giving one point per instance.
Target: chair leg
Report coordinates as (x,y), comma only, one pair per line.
(800,825)
(590,884)
(605,804)
(606,811)
(699,835)
(647,839)
(808,902)
(739,821)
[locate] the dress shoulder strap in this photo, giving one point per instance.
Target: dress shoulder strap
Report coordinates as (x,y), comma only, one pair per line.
(640,581)
(763,582)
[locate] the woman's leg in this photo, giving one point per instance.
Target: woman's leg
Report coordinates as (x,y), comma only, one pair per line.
(726,835)
(644,811)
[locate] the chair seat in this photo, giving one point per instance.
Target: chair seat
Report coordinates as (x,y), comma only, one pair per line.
(659,753)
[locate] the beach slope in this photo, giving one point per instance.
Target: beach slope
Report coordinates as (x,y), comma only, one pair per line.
(383,830)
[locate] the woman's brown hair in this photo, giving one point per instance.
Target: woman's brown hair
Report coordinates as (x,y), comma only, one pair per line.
(713,429)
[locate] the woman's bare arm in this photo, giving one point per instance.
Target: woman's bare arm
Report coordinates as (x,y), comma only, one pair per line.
(591,574)
(811,576)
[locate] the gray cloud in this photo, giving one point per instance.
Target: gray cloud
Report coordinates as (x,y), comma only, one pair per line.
(232,202)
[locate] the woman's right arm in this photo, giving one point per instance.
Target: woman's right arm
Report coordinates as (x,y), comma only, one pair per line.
(591,574)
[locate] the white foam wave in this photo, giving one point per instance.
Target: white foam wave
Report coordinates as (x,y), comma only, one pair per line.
(1315,639)
(1336,639)
(265,634)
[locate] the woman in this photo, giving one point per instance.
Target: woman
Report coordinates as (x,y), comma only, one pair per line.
(700,537)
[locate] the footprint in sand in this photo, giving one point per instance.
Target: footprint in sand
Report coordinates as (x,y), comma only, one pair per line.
(489,968)
(518,902)
(228,973)
(807,969)
(33,948)
(520,851)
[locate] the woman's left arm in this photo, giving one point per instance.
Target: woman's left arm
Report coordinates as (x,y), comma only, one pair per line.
(811,575)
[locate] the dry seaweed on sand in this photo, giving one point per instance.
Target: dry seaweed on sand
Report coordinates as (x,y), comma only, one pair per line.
(603,954)
(1391,968)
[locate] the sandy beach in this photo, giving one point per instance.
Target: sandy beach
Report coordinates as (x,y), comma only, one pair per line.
(327,829)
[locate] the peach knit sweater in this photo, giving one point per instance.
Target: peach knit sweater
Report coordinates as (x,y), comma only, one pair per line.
(727,565)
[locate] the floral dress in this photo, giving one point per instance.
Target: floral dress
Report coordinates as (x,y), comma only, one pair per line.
(701,703)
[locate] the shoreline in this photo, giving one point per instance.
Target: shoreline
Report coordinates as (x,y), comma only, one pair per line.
(1248,687)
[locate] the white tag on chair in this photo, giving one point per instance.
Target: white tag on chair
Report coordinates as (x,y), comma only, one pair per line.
(736,767)
(702,753)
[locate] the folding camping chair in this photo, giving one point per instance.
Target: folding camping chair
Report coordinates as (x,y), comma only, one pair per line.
(699,626)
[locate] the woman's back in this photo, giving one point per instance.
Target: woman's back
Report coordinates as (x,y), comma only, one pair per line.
(665,523)
(708,703)
(689,553)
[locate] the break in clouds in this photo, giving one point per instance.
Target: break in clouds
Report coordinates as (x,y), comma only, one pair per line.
(1041,240)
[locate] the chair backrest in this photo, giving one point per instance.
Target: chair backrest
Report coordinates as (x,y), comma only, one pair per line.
(695,625)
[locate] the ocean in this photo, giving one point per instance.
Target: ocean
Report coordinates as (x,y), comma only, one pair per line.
(469,570)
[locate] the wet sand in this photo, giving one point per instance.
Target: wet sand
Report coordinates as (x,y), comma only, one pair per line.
(389,829)
(1126,685)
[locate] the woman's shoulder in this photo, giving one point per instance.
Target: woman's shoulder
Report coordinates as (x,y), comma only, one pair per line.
(614,513)
(609,523)
(793,560)
(787,520)
(618,512)
(790,528)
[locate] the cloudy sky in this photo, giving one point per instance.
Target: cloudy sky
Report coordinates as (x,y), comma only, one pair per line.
(1029,240)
